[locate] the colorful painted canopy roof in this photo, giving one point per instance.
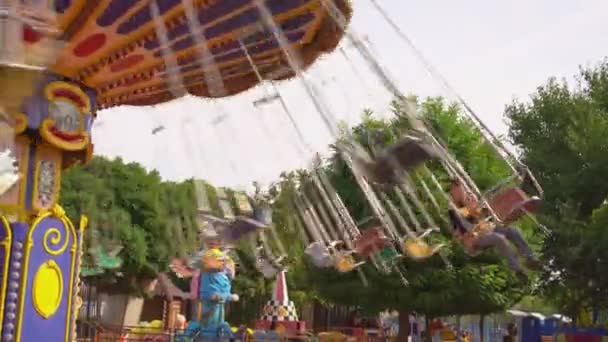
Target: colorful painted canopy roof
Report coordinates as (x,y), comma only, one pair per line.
(112,45)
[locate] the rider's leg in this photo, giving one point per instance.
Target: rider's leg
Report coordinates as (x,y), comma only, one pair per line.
(500,244)
(516,238)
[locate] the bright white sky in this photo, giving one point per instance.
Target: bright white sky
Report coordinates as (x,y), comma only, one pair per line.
(490,52)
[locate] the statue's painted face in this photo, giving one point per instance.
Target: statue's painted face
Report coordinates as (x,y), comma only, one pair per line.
(212,261)
(213,243)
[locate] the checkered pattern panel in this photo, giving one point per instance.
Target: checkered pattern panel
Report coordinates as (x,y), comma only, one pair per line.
(280,312)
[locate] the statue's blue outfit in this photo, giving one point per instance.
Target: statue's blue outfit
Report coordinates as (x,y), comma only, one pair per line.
(214,292)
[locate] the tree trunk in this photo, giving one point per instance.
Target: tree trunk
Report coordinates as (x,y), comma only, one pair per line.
(428,337)
(481,328)
(404,326)
(458,329)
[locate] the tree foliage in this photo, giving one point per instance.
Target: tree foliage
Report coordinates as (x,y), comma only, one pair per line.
(153,221)
(122,202)
(561,135)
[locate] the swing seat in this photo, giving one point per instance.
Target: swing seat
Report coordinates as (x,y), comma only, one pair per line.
(388,256)
(269,267)
(226,209)
(158,129)
(406,154)
(346,263)
(224,204)
(235,230)
(512,203)
(278,262)
(243,204)
(266,100)
(418,249)
(335,244)
(370,241)
(321,255)
(263,214)
(267,270)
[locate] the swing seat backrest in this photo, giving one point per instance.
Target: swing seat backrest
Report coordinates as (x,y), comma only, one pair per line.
(243,205)
(226,209)
(224,204)
(406,154)
(389,254)
(241,227)
(345,263)
(418,249)
(370,241)
(411,152)
(263,214)
(512,203)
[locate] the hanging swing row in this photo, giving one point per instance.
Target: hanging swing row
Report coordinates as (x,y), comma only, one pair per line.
(397,181)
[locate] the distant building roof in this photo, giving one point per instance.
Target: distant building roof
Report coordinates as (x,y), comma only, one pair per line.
(520,313)
(164,287)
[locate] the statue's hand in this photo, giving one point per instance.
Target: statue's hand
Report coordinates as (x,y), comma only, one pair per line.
(179,267)
(233,298)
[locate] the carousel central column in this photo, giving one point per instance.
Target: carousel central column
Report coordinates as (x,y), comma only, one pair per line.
(45,123)
(41,246)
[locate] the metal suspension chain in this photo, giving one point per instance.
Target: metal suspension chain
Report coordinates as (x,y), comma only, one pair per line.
(211,72)
(286,110)
(493,140)
(175,80)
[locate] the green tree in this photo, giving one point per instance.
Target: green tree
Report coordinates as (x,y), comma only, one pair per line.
(130,207)
(153,220)
(561,135)
(252,289)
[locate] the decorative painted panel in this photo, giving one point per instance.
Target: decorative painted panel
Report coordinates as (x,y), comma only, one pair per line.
(47,177)
(48,279)
(69,109)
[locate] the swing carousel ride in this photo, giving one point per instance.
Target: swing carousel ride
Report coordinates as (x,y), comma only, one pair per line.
(61,61)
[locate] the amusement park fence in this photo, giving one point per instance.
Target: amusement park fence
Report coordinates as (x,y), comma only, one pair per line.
(320,318)
(177,336)
(91,327)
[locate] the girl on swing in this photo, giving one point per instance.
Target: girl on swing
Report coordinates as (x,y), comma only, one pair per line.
(476,232)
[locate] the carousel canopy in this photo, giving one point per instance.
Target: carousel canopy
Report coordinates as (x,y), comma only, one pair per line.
(113,47)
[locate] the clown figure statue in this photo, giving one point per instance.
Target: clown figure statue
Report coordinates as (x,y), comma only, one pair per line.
(217,270)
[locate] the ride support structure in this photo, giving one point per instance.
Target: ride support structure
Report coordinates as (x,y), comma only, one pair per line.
(41,248)
(45,121)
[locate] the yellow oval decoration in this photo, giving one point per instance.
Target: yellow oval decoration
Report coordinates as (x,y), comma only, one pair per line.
(47,289)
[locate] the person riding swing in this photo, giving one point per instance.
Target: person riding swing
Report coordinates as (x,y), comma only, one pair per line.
(266,262)
(387,166)
(475,230)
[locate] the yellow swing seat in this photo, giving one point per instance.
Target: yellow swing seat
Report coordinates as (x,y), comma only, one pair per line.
(418,249)
(346,263)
